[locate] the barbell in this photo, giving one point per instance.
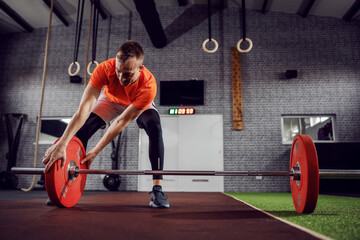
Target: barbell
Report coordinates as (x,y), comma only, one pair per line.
(65,186)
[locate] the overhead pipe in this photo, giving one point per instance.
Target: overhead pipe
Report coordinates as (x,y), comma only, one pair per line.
(16,17)
(352,11)
(151,20)
(57,12)
(305,8)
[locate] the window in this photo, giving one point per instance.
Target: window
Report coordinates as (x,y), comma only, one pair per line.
(52,128)
(319,127)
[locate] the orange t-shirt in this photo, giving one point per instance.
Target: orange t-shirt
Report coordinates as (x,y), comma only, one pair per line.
(141,93)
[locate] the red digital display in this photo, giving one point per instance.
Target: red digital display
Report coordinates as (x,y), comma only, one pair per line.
(181,111)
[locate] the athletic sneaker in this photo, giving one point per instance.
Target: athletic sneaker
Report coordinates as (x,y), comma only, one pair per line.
(158,198)
(49,202)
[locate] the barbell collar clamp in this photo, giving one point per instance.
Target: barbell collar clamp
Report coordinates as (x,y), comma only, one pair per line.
(296,173)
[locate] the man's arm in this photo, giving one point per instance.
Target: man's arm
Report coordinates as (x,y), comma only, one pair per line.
(115,128)
(58,150)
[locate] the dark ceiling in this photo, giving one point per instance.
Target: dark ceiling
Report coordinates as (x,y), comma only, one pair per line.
(26,15)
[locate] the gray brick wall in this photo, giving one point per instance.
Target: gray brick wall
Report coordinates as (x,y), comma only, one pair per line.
(325,51)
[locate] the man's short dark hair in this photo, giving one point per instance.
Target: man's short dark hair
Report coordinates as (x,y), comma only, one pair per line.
(130,49)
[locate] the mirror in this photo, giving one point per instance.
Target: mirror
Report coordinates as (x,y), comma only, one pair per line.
(52,128)
(319,127)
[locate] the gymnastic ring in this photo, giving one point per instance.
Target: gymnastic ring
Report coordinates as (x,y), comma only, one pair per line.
(207,50)
(77,68)
(246,50)
(88,67)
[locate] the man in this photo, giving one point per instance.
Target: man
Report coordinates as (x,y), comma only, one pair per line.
(129,91)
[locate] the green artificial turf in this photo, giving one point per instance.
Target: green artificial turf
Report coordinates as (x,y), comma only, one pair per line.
(334,216)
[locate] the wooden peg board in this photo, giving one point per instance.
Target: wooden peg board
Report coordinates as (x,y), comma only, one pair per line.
(236,89)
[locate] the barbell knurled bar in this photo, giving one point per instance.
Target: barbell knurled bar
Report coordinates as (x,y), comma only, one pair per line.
(324,173)
(339,174)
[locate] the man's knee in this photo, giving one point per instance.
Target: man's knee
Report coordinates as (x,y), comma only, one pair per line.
(150,121)
(154,127)
(92,124)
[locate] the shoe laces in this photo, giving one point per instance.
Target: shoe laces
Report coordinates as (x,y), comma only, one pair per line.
(163,195)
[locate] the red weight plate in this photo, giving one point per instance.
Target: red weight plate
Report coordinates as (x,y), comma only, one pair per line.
(62,191)
(305,191)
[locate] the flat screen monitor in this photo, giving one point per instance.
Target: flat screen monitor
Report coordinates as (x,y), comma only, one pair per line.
(190,92)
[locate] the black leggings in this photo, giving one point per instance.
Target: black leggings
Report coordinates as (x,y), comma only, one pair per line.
(149,120)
